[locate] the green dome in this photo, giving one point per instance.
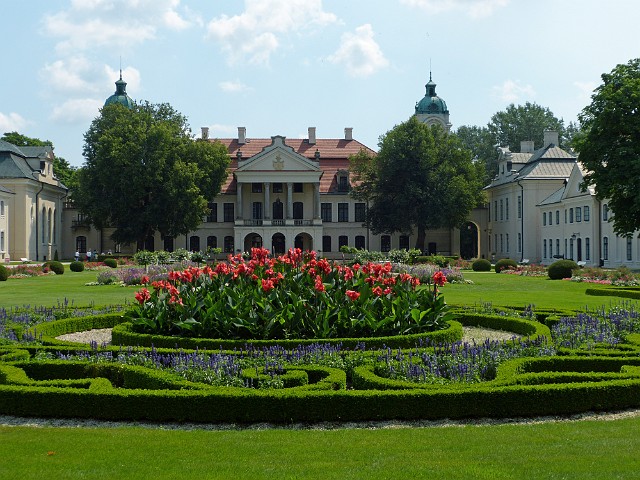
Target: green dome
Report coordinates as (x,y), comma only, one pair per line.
(120,96)
(431,103)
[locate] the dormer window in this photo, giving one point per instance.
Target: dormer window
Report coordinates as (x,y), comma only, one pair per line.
(43,167)
(343,181)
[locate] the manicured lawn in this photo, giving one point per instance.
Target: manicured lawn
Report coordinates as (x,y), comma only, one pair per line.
(48,290)
(584,450)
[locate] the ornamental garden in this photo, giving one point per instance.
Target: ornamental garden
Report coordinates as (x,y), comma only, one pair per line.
(296,338)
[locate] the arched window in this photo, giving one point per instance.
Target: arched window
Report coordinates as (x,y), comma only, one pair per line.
(168,244)
(194,243)
(360,242)
(49,225)
(228,244)
(81,244)
(212,242)
(605,248)
(343,241)
(44,225)
(278,210)
(385,243)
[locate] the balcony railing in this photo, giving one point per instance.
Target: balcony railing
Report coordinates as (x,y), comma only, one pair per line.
(253,222)
(80,223)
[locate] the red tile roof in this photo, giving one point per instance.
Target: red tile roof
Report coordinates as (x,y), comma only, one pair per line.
(334,156)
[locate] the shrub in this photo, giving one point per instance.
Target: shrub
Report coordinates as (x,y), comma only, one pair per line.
(562,269)
(111,262)
(197,257)
(144,257)
(76,266)
(505,263)
(55,267)
(163,257)
(4,273)
(481,265)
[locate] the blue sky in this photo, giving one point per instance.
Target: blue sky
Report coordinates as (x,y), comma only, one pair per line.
(277,67)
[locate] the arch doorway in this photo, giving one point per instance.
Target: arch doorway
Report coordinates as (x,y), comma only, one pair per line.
(469,241)
(253,240)
(303,241)
(278,244)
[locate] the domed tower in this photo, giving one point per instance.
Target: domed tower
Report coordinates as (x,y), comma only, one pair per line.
(120,96)
(432,109)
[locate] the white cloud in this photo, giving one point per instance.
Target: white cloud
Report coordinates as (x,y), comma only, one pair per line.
(473,8)
(12,122)
(234,87)
(511,91)
(256,34)
(218,130)
(88,24)
(77,111)
(359,53)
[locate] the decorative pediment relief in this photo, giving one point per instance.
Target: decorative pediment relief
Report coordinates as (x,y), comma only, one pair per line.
(278,157)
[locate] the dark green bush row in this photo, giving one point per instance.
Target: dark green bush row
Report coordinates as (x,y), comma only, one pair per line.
(76,266)
(561,269)
(123,335)
(520,326)
(298,405)
(4,273)
(613,292)
(505,263)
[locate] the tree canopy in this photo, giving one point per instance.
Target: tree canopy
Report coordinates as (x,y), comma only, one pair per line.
(609,144)
(144,173)
(507,128)
(422,178)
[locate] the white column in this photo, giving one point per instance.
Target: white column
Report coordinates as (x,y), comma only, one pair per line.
(238,200)
(289,200)
(316,198)
(267,201)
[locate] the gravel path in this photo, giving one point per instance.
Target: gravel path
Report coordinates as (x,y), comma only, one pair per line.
(471,334)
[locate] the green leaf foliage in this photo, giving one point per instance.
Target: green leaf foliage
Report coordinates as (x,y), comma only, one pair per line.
(422,178)
(144,173)
(609,145)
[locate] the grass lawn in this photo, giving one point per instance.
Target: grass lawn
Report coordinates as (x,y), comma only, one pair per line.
(585,449)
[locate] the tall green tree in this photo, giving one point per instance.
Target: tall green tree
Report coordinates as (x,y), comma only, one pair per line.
(144,173)
(483,148)
(524,122)
(609,144)
(62,169)
(422,178)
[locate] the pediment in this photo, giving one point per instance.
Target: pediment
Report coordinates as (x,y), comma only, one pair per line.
(573,184)
(278,157)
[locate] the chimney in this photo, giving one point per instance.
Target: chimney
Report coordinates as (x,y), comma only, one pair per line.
(242,135)
(205,133)
(348,133)
(550,137)
(526,146)
(312,135)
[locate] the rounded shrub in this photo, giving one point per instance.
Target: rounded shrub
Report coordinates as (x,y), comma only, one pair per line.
(561,269)
(55,267)
(481,265)
(111,262)
(505,263)
(4,273)
(76,266)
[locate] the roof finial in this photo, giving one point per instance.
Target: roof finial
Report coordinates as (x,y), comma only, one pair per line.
(120,67)
(430,69)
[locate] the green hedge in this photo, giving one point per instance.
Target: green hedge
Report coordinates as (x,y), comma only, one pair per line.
(613,292)
(521,326)
(97,399)
(123,334)
(46,332)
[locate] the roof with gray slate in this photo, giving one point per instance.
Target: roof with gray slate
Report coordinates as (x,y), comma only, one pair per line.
(13,162)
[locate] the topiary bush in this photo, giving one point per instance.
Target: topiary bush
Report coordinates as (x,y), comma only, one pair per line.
(505,263)
(55,267)
(76,266)
(111,262)
(562,269)
(481,265)
(4,273)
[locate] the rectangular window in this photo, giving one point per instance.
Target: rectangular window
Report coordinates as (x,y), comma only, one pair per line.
(1,208)
(501,210)
(360,242)
(360,212)
(565,216)
(605,212)
(571,249)
(495,210)
(507,239)
(343,183)
(587,213)
(403,242)
(385,243)
(1,241)
(629,248)
(343,241)
(256,187)
(213,213)
(578,214)
(326,243)
(565,249)
(519,242)
(277,187)
(519,206)
(550,248)
(343,212)
(544,248)
(571,215)
(557,246)
(501,243)
(587,247)
(557,217)
(257,211)
(506,208)
(297,188)
(325,213)
(544,219)
(228,212)
(605,248)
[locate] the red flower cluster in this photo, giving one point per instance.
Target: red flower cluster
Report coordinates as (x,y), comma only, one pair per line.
(439,279)
(142,296)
